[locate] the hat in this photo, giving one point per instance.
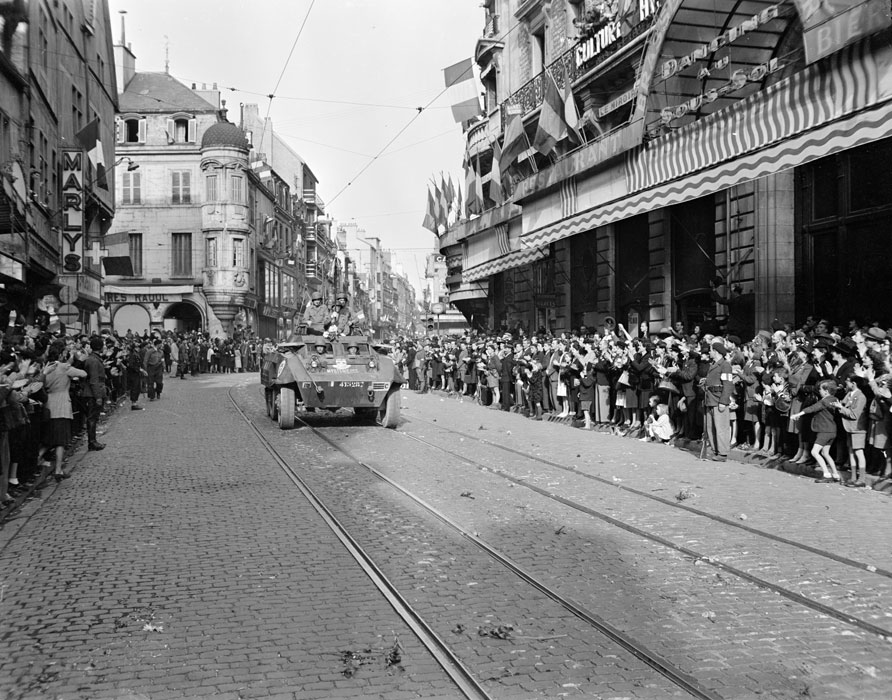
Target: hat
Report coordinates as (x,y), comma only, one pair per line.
(764,335)
(823,341)
(734,339)
(846,347)
(777,325)
(665,331)
(316,295)
(807,346)
(875,333)
(719,347)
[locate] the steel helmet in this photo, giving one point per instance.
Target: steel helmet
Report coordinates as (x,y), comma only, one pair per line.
(316,295)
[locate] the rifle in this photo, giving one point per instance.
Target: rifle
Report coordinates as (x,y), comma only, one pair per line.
(705,436)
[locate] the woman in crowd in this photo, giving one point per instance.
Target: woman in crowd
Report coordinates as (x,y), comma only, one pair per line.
(57,376)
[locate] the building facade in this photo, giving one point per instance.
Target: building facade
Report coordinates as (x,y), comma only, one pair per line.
(726,175)
(57,78)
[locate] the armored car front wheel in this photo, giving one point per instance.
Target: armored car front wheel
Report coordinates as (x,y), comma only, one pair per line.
(286,408)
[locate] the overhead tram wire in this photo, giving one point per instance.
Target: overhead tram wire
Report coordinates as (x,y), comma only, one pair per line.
(421,110)
(282,74)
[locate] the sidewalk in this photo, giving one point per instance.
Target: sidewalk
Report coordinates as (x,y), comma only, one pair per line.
(781,464)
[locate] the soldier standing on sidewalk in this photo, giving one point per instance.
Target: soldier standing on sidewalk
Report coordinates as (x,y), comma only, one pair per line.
(94,391)
(719,385)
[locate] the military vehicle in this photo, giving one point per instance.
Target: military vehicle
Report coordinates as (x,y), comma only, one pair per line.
(318,372)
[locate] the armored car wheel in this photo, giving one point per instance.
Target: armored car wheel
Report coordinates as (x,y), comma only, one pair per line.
(286,408)
(270,398)
(366,414)
(390,411)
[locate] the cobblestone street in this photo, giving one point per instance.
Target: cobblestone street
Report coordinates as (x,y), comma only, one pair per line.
(182,562)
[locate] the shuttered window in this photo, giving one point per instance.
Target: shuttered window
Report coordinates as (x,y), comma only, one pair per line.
(181,262)
(131,188)
(181,187)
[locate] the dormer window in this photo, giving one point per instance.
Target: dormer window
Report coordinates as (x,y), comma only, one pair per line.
(182,128)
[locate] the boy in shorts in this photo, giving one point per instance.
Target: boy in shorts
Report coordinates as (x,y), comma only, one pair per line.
(824,426)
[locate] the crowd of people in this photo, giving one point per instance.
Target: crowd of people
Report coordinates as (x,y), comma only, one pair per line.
(54,388)
(815,395)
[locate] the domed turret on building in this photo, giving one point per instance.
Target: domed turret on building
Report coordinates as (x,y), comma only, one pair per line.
(224,135)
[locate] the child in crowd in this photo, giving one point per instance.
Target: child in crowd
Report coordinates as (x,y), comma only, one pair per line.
(658,425)
(777,407)
(824,426)
(853,409)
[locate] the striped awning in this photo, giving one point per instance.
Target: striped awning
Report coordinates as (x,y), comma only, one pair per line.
(513,259)
(849,81)
(856,130)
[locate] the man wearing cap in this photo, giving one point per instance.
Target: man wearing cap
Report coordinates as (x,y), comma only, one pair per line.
(719,386)
(316,317)
(93,391)
(341,314)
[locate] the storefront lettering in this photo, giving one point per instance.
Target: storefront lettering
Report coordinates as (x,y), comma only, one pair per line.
(114,298)
(72,211)
(739,78)
(612,32)
(674,66)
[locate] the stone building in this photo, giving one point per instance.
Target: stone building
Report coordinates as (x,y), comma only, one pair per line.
(57,77)
(733,144)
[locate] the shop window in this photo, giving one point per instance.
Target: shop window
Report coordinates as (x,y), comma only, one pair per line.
(869,176)
(825,175)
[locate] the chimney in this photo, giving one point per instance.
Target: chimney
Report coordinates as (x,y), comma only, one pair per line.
(125,61)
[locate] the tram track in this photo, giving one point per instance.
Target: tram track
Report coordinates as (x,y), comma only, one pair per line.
(863,566)
(693,554)
(448,660)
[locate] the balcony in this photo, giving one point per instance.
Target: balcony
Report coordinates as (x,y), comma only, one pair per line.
(312,269)
(491,29)
(310,197)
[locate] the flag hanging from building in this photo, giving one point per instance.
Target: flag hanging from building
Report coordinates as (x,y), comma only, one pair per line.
(450,190)
(462,90)
(119,265)
(472,204)
(571,114)
(91,141)
(458,202)
(478,186)
(430,220)
(515,142)
(496,193)
(552,127)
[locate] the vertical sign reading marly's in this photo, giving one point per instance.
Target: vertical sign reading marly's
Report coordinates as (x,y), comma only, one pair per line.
(72,211)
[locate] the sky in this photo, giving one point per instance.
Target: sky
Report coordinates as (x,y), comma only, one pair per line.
(386,57)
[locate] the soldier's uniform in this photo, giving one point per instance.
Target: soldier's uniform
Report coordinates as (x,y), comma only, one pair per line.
(316,318)
(719,387)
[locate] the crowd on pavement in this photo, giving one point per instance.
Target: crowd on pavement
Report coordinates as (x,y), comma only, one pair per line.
(55,387)
(814,395)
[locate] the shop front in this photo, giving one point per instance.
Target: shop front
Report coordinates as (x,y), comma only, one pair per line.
(173,308)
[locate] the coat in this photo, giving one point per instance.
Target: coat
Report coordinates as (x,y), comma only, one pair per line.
(57,381)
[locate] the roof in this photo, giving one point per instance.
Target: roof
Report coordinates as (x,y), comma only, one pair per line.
(224,134)
(159,92)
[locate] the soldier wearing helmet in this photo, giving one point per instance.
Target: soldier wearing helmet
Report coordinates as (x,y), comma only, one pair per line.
(341,314)
(316,317)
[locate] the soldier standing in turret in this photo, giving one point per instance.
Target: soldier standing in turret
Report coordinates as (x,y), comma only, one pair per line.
(316,317)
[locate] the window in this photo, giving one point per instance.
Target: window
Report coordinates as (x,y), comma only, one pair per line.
(237,188)
(181,262)
(210,252)
(180,187)
(131,188)
(131,130)
(238,252)
(134,241)
(272,284)
(77,109)
(181,130)
(211,194)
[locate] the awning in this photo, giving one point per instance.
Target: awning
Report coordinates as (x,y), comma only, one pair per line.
(469,290)
(515,258)
(856,130)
